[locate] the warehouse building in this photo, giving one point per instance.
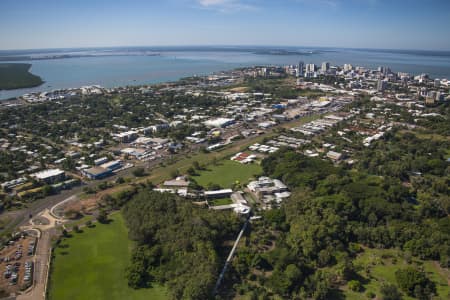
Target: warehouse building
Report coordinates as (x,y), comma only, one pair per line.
(50,176)
(96,173)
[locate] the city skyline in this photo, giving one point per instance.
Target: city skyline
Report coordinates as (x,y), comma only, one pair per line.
(325,23)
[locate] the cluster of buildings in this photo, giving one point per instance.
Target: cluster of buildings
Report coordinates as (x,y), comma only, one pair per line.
(317,126)
(243,158)
(287,141)
(239,204)
(103,170)
(263,148)
(233,114)
(63,94)
(33,184)
(269,191)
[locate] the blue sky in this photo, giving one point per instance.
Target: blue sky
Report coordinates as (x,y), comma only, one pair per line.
(394,24)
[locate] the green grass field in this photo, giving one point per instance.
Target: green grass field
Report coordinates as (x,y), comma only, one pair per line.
(218,202)
(91,265)
(227,172)
(16,76)
(383,264)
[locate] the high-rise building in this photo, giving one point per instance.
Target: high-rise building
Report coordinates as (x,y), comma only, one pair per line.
(437,82)
(310,68)
(300,69)
(325,67)
(382,85)
(348,67)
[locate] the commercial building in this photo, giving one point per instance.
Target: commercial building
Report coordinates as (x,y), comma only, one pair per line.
(382,85)
(126,137)
(268,190)
(100,161)
(112,165)
(177,183)
(300,69)
(136,152)
(218,194)
(96,173)
(50,176)
(325,67)
(336,156)
(310,68)
(219,122)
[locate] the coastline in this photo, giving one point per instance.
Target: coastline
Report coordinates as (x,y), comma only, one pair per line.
(128,68)
(17,76)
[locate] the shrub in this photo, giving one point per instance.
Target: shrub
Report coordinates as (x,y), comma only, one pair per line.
(354,285)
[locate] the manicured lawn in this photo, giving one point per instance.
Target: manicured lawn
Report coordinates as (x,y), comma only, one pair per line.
(384,263)
(222,201)
(91,265)
(227,172)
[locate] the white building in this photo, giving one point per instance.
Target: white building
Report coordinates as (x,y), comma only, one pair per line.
(50,176)
(325,67)
(218,122)
(268,190)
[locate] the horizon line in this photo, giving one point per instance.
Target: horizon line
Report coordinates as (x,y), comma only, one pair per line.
(222,45)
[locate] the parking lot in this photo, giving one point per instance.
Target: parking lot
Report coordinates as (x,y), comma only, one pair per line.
(16,264)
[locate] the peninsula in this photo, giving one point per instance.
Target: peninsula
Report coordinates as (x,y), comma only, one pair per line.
(17,76)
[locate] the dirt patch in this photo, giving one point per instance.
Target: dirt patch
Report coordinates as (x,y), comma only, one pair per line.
(85,206)
(41,221)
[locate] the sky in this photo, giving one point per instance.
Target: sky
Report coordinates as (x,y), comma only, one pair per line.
(388,24)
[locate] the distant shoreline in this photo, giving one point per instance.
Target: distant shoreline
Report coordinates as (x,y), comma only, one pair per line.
(119,66)
(14,76)
(64,56)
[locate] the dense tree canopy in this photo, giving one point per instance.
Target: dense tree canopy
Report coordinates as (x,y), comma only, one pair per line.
(178,244)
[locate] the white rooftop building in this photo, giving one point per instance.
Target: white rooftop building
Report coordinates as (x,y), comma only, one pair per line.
(219,122)
(50,175)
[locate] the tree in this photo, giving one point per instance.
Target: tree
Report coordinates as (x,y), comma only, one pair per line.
(139,172)
(414,283)
(47,190)
(213,186)
(354,285)
(135,275)
(196,165)
(390,292)
(191,171)
(65,233)
(102,216)
(178,243)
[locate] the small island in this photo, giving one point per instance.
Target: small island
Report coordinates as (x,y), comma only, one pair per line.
(17,76)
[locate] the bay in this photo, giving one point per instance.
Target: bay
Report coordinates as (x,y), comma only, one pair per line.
(121,68)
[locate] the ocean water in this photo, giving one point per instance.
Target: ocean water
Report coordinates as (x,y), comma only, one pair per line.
(120,67)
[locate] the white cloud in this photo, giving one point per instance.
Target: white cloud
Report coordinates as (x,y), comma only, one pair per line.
(225,5)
